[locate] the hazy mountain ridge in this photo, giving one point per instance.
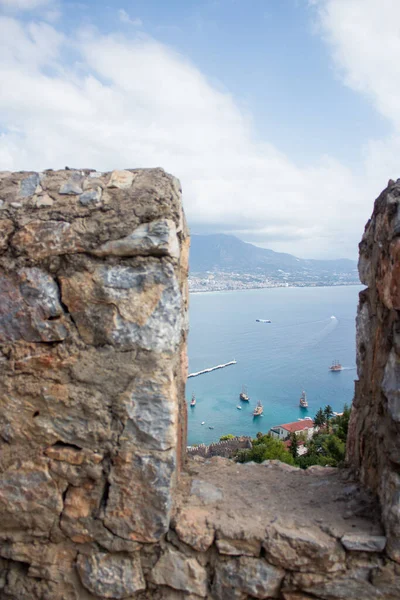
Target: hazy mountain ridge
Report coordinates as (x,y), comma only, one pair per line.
(227,253)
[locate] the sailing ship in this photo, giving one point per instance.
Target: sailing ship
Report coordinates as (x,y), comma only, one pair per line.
(303,400)
(336,366)
(243,394)
(258,411)
(193,400)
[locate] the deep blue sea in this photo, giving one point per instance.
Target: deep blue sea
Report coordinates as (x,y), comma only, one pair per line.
(275,361)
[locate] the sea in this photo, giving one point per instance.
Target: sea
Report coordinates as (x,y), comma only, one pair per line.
(276,361)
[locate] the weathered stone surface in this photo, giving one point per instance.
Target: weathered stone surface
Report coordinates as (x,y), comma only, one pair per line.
(157,238)
(140,497)
(30,307)
(205,491)
(238,578)
(6,229)
(28,185)
(111,575)
(303,549)
(238,547)
(338,587)
(91,383)
(29,499)
(73,186)
(121,179)
(364,543)
(391,385)
(43,201)
(46,238)
(373,446)
(140,306)
(181,573)
(192,527)
(92,196)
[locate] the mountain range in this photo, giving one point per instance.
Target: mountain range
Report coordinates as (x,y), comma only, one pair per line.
(228,254)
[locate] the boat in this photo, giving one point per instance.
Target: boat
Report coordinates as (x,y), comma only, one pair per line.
(263,321)
(211,427)
(193,400)
(336,366)
(258,411)
(303,400)
(203,422)
(243,394)
(239,407)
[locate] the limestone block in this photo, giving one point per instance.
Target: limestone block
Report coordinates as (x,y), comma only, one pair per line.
(29,499)
(304,549)
(44,201)
(391,385)
(28,300)
(341,586)
(181,573)
(92,196)
(205,491)
(6,229)
(127,307)
(157,238)
(113,576)
(140,501)
(121,179)
(28,185)
(364,543)
(42,239)
(238,578)
(73,186)
(194,529)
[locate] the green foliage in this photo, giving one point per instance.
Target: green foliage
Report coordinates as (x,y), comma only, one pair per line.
(265,447)
(319,419)
(327,446)
(228,436)
(294,445)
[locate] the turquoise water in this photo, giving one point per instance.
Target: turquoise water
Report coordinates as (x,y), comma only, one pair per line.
(275,361)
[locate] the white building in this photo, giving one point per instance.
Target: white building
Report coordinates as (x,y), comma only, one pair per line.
(282,432)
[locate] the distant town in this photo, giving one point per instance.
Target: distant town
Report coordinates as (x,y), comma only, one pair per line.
(218,281)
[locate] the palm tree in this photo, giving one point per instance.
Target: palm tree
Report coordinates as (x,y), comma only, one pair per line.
(328,412)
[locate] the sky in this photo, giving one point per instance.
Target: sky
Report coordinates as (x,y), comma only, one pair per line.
(281,118)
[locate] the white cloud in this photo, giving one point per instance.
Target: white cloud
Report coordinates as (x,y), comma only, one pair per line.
(125,18)
(24,4)
(138,104)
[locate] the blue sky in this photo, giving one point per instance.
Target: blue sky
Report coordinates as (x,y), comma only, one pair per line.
(280,117)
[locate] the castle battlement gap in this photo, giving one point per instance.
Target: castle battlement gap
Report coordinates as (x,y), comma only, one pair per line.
(97,498)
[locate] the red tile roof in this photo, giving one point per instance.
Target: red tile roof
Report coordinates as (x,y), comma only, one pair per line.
(297,425)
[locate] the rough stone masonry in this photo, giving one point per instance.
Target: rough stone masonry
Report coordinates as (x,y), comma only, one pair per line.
(95,499)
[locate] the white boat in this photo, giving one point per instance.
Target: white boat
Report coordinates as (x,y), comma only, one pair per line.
(203,422)
(239,407)
(303,400)
(263,321)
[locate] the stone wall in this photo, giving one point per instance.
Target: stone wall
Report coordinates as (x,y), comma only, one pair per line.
(93,321)
(374,438)
(94,502)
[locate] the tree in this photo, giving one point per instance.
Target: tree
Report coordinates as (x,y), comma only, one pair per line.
(320,419)
(265,447)
(228,436)
(328,412)
(294,445)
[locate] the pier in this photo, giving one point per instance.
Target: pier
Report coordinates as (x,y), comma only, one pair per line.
(232,362)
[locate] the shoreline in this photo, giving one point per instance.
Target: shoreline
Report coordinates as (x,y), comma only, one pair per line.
(274,287)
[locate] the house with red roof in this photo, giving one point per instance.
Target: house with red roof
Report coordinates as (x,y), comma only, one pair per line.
(282,432)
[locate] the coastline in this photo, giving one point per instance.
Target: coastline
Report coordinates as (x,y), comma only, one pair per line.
(273,287)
